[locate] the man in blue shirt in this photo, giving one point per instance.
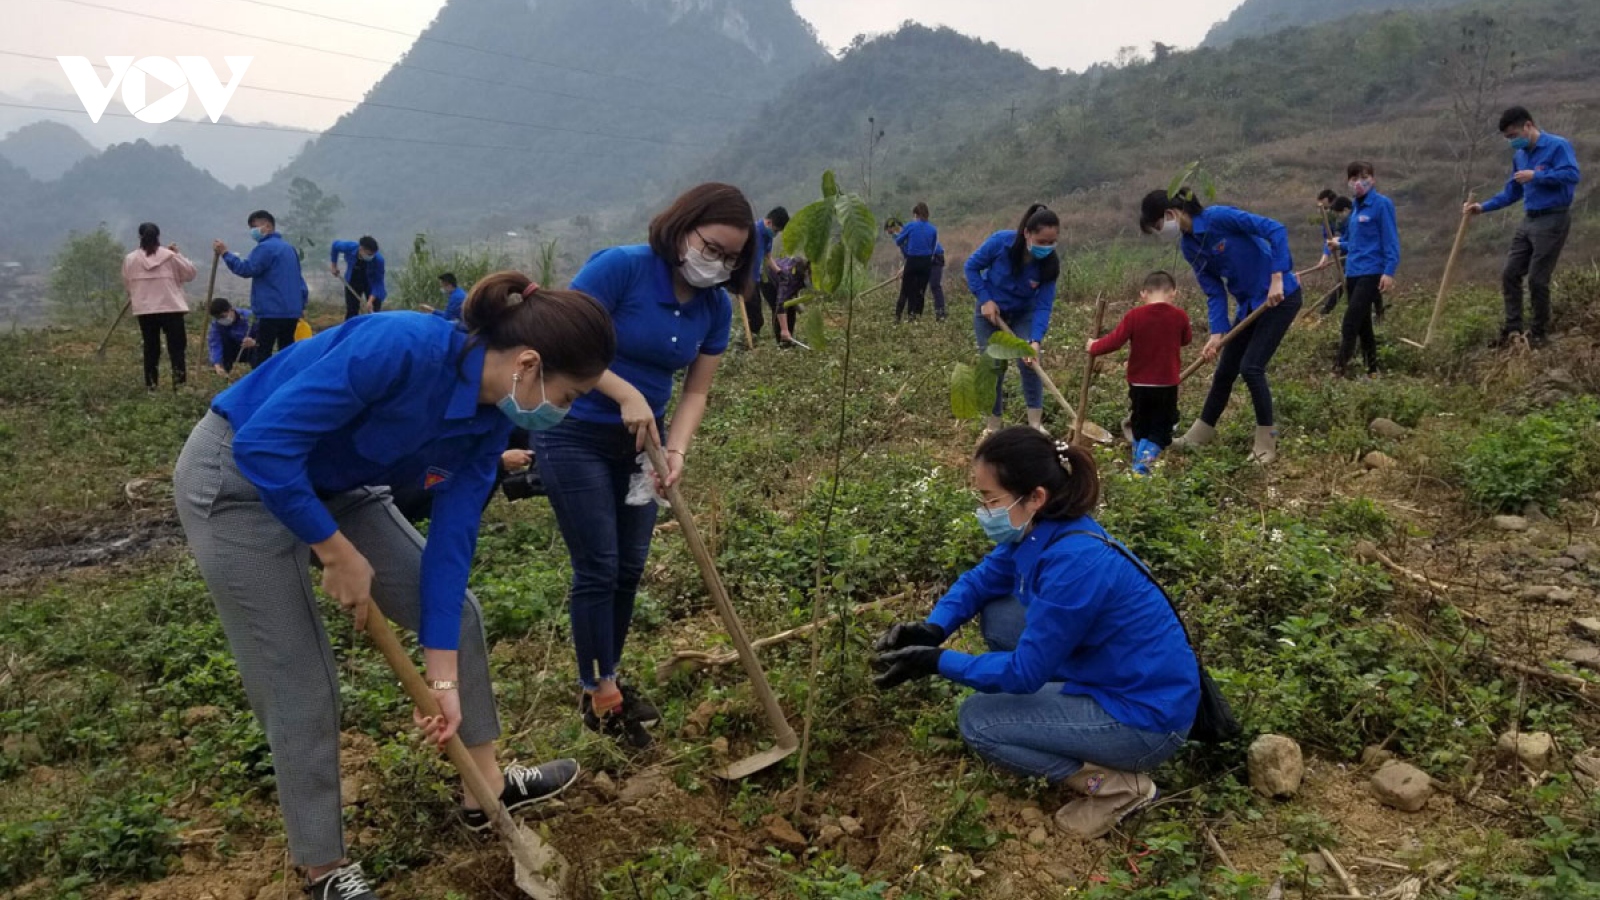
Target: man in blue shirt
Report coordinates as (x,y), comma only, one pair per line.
(764,291)
(277,289)
(1545,178)
(1372,244)
(917,240)
(454,297)
(364,281)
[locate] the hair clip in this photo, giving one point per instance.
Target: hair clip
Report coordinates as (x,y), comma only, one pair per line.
(1064,455)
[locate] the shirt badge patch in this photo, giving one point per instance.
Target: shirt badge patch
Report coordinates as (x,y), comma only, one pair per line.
(434,478)
(1221,247)
(1364,219)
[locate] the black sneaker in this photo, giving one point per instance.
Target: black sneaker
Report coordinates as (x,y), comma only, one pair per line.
(619,726)
(526,786)
(343,883)
(637,709)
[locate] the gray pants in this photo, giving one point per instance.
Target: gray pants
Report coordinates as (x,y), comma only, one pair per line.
(1534,253)
(256,570)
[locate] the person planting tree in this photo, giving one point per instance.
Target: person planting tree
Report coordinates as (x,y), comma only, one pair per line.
(278,291)
(1372,245)
(918,241)
(154,277)
(1013,277)
(363,278)
(1158,329)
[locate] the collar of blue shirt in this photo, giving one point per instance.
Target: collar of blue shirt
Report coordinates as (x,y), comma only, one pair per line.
(464,399)
(666,290)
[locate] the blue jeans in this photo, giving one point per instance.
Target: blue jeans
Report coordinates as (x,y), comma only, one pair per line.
(1247,357)
(586,469)
(1021,323)
(1050,734)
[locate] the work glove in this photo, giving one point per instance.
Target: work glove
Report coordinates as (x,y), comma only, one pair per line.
(900,666)
(910,634)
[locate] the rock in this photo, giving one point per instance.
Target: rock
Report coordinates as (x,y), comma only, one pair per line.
(1532,512)
(1379,460)
(1583,657)
(22,748)
(196,715)
(643,786)
(851,826)
(1038,837)
(604,786)
(1537,592)
(1373,755)
(1276,766)
(350,789)
(1511,523)
(830,835)
(1402,786)
(1534,749)
(699,721)
(719,747)
(1580,552)
(1314,863)
(1562,595)
(1388,428)
(1588,629)
(1032,816)
(782,835)
(1563,563)
(1060,873)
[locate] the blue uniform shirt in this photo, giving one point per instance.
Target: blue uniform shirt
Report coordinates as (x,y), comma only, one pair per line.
(1236,252)
(348,250)
(452,309)
(1555,178)
(277,290)
(1372,238)
(990,276)
(380,400)
(766,245)
(656,335)
(1095,622)
(243,326)
(918,238)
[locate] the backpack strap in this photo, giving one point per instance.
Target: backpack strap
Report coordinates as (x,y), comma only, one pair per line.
(1140,565)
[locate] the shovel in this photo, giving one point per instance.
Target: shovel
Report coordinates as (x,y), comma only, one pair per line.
(1444,283)
(1234,332)
(1088,373)
(788,743)
(101,350)
(1090,430)
(880,286)
(540,869)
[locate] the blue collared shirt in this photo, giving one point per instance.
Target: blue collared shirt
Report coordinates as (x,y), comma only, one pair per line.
(1094,621)
(1235,252)
(349,250)
(990,276)
(1372,238)
(277,290)
(219,335)
(656,335)
(380,400)
(452,309)
(918,238)
(1555,178)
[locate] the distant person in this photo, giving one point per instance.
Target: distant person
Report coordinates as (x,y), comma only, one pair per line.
(1247,256)
(231,337)
(278,291)
(1159,329)
(1013,278)
(363,279)
(936,282)
(154,277)
(454,297)
(763,294)
(917,240)
(1338,210)
(1372,242)
(794,273)
(1545,179)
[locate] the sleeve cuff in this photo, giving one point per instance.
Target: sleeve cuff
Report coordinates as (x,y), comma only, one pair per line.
(953,664)
(946,620)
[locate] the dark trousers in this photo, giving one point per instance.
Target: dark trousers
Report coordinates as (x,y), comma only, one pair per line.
(1364,297)
(754,306)
(1247,356)
(1534,253)
(914,286)
(233,353)
(780,316)
(151,327)
(1155,413)
(352,302)
(1331,299)
(273,335)
(936,284)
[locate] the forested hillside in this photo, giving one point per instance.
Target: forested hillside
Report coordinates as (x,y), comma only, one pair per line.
(1256,18)
(45,150)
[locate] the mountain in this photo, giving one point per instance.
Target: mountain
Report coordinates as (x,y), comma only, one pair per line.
(1256,18)
(569,105)
(45,149)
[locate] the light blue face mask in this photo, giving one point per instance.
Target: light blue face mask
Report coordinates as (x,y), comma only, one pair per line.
(996,523)
(1519,143)
(543,417)
(1041,252)
(257,235)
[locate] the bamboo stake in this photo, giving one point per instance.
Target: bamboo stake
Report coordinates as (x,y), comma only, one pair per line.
(1444,283)
(1088,374)
(1234,332)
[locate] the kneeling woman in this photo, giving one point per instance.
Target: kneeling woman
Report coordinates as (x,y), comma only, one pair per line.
(286,463)
(1089,679)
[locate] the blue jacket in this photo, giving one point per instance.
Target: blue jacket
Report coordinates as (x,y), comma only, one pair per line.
(1342,232)
(452,309)
(348,250)
(1095,623)
(380,400)
(1235,252)
(767,242)
(1555,179)
(991,277)
(243,326)
(918,238)
(1372,238)
(277,289)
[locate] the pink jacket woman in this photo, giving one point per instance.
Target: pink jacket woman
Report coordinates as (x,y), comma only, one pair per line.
(154,276)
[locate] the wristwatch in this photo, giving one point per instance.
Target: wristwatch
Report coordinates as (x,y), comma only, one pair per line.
(443,685)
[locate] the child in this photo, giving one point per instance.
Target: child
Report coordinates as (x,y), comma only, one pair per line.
(1158,329)
(790,281)
(232,333)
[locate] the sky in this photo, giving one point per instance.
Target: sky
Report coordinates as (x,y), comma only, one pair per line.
(1066,34)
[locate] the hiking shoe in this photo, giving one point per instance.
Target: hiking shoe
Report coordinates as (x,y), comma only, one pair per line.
(1108,797)
(1144,454)
(343,883)
(617,725)
(637,709)
(526,786)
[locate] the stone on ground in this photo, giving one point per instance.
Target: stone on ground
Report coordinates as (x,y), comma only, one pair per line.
(1511,523)
(1276,766)
(1534,749)
(1388,428)
(783,835)
(1379,460)
(1402,786)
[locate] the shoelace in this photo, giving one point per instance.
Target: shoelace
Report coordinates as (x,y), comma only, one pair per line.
(350,883)
(522,776)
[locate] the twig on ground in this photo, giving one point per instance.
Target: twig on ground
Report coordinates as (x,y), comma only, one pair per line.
(1342,873)
(1216,847)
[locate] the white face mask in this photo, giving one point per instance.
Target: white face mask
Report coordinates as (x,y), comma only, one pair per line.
(702,270)
(1171,230)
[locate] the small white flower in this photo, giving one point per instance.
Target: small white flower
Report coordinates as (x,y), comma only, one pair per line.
(1286,642)
(1276,536)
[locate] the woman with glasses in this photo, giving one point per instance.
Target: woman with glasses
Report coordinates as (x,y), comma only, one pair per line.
(1013,277)
(672,315)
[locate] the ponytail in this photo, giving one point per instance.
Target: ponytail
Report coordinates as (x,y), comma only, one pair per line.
(1037,217)
(1156,203)
(1024,460)
(149,238)
(570,330)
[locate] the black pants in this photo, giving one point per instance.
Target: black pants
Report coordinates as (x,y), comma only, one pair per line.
(753,306)
(233,353)
(1155,413)
(151,327)
(769,297)
(936,284)
(1534,253)
(1247,357)
(1364,296)
(273,335)
(352,301)
(914,286)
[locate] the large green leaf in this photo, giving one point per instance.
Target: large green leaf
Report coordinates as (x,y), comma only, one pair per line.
(1008,346)
(830,184)
(972,387)
(1182,178)
(802,298)
(808,231)
(858,227)
(813,329)
(830,274)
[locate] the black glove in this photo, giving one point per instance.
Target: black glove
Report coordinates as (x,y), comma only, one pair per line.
(903,665)
(910,634)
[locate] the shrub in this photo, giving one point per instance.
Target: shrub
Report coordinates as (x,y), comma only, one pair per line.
(1537,458)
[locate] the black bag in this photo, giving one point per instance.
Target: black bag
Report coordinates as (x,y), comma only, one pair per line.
(1214,721)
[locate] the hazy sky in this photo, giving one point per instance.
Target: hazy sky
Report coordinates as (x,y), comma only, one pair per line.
(1068,34)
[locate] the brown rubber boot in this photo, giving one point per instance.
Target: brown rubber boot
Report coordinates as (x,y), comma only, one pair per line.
(1198,435)
(1266,448)
(1109,797)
